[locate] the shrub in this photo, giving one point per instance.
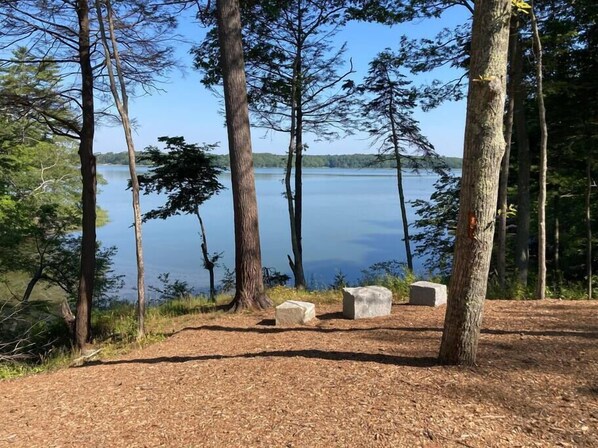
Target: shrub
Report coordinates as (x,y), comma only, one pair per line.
(391,274)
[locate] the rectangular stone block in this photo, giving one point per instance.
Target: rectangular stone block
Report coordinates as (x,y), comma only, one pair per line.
(427,294)
(294,312)
(366,301)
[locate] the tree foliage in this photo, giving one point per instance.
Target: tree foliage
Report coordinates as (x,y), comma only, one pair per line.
(188,176)
(436,223)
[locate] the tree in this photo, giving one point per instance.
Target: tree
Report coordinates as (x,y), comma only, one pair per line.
(503,194)
(523,166)
(437,223)
(248,259)
(570,67)
(388,118)
(189,177)
(39,186)
(294,86)
(118,88)
(65,29)
(484,148)
(541,285)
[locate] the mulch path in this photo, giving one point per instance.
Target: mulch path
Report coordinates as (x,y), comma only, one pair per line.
(239,381)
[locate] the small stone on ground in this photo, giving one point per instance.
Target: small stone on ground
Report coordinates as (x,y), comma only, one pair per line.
(366,301)
(294,312)
(427,294)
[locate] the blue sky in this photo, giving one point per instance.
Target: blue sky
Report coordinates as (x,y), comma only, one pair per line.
(186,108)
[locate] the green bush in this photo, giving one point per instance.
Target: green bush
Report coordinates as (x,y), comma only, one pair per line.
(391,274)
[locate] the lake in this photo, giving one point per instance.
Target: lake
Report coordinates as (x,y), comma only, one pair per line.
(351,220)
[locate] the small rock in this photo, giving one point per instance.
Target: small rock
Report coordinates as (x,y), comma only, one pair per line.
(427,294)
(366,301)
(294,312)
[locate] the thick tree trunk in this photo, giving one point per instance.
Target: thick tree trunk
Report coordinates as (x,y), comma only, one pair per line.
(248,260)
(88,173)
(504,170)
(121,100)
(523,171)
(542,169)
(484,148)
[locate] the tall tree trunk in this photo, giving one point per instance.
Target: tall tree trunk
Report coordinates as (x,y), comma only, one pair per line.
(484,148)
(88,173)
(297,226)
(248,261)
(557,243)
(397,153)
(589,225)
(289,194)
(542,169)
(523,171)
(297,272)
(298,237)
(121,100)
(504,170)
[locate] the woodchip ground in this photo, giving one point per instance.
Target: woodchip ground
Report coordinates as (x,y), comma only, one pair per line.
(238,381)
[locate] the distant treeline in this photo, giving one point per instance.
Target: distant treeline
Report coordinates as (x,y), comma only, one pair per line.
(269,160)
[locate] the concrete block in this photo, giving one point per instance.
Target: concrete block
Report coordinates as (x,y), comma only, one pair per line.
(427,294)
(294,312)
(366,301)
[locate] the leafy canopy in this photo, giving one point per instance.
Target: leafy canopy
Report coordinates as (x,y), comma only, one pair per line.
(185,172)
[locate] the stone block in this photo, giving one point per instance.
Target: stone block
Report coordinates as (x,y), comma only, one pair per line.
(427,294)
(294,312)
(366,301)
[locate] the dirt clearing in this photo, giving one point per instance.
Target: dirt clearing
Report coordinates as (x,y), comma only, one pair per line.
(239,381)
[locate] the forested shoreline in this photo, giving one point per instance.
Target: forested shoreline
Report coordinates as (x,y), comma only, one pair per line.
(270,160)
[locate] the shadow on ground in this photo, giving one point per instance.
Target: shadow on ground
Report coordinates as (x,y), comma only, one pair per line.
(309,354)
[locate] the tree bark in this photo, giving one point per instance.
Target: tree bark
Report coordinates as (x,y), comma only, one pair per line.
(88,173)
(207,261)
(484,148)
(589,225)
(397,154)
(523,171)
(248,263)
(37,276)
(293,262)
(541,285)
(298,237)
(297,218)
(503,195)
(121,100)
(557,243)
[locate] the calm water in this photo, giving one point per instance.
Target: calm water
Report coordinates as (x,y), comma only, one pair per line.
(351,220)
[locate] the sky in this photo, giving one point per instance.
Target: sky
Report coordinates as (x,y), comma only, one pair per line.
(185,108)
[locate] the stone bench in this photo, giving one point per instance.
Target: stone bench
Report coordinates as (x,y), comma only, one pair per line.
(427,294)
(366,301)
(294,312)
